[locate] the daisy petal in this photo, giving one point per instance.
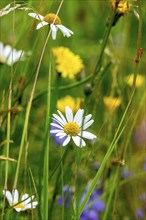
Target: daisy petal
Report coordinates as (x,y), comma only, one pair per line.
(36,16)
(31,205)
(18,209)
(67,140)
(66,32)
(41,24)
(87,118)
(88,124)
(60,137)
(69,114)
(78,141)
(56,125)
(58,119)
(62,116)
(15,195)
(87,135)
(55,131)
(60,134)
(54,31)
(26,201)
(79,117)
(8,196)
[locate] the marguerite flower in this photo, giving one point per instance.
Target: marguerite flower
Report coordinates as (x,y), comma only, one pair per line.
(10,55)
(54,21)
(73,127)
(25,203)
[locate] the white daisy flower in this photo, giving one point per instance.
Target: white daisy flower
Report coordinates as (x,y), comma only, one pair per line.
(9,55)
(72,127)
(25,203)
(54,21)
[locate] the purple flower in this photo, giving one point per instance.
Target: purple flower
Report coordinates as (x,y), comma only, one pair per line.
(56,139)
(125,173)
(141,212)
(68,193)
(93,206)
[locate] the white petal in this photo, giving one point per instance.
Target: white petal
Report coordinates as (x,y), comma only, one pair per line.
(7,51)
(56,125)
(62,116)
(31,205)
(8,196)
(60,134)
(60,137)
(41,24)
(87,118)
(78,141)
(36,16)
(55,131)
(59,119)
(79,117)
(66,32)
(69,114)
(18,209)
(15,195)
(87,135)
(54,29)
(26,201)
(67,140)
(88,124)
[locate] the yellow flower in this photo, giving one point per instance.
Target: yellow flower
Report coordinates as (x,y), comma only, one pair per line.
(67,63)
(111,103)
(122,7)
(139,80)
(73,103)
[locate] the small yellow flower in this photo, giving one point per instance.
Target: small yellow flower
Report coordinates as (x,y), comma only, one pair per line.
(67,63)
(139,80)
(111,103)
(73,103)
(123,6)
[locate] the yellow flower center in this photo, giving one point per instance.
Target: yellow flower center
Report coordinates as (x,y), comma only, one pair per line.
(71,128)
(52,18)
(20,205)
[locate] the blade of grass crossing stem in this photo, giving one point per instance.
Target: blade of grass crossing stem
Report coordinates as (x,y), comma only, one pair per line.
(46,151)
(110,150)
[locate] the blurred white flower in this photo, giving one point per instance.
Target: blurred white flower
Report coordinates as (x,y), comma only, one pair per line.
(11,7)
(72,127)
(24,204)
(55,23)
(9,55)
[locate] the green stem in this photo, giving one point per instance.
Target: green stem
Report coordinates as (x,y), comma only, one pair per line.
(104,42)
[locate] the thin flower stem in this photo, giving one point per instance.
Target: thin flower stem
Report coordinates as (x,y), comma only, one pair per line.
(104,43)
(138,43)
(28,112)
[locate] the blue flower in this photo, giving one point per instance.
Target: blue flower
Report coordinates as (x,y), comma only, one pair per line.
(94,205)
(68,193)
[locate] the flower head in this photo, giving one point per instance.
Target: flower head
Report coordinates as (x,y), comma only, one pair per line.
(67,63)
(112,103)
(73,103)
(122,6)
(24,204)
(73,127)
(139,80)
(55,23)
(68,193)
(141,212)
(94,205)
(8,55)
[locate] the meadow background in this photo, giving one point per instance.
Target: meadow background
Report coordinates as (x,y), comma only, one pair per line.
(116,161)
